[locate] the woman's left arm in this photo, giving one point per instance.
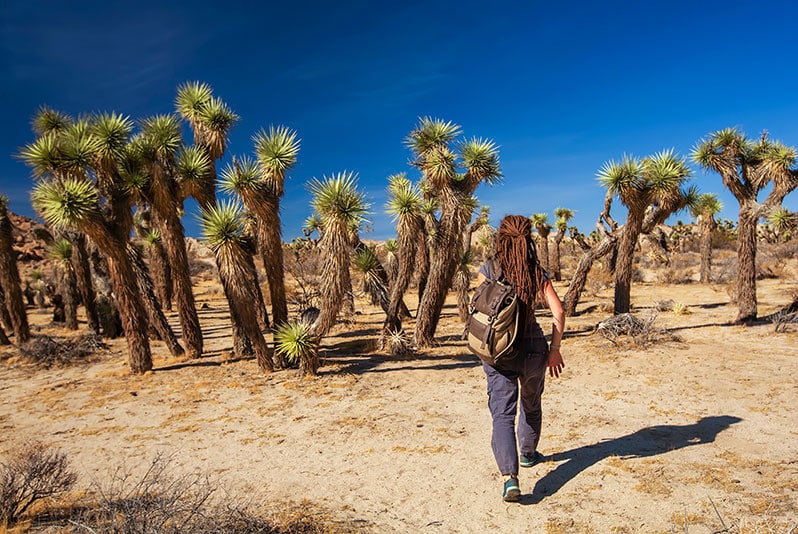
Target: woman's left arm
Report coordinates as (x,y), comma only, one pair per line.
(556,362)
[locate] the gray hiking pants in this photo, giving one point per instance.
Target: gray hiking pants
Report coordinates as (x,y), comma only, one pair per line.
(527,373)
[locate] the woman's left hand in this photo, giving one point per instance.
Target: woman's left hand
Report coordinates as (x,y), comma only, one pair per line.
(556,362)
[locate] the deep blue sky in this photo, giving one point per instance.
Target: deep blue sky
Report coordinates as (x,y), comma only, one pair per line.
(561,87)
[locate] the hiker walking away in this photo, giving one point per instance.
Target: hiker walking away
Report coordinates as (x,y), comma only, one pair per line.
(516,258)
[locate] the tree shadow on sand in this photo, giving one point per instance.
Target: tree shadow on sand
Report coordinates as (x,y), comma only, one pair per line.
(649,441)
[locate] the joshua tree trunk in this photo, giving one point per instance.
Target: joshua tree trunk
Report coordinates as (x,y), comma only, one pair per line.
(68,287)
(174,241)
(555,260)
(543,248)
(270,245)
(406,254)
(571,298)
(9,280)
(161,274)
(746,254)
(336,270)
(5,317)
(3,337)
(707,227)
(448,247)
(80,264)
(156,318)
(623,268)
(423,263)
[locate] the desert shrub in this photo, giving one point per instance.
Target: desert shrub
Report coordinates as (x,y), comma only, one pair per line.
(599,280)
(35,472)
(164,503)
(303,265)
(201,269)
(640,331)
(664,305)
(46,351)
(674,275)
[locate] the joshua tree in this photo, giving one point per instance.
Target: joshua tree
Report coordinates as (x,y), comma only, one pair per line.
(75,203)
(61,254)
(541,223)
(746,168)
(704,210)
(45,156)
(157,146)
(297,343)
(223,227)
(564,216)
(404,204)
(341,207)
(9,277)
(276,151)
(652,183)
(441,166)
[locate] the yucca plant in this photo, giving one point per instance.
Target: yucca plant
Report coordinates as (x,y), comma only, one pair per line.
(704,209)
(340,206)
(158,146)
(452,170)
(74,203)
(397,343)
(655,180)
(9,277)
(61,255)
(276,151)
(404,206)
(299,345)
(746,168)
(563,215)
(223,228)
(784,222)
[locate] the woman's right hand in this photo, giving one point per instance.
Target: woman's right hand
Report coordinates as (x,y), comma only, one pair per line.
(556,362)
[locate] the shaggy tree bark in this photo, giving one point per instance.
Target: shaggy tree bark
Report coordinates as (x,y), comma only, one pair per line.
(707,226)
(80,264)
(9,279)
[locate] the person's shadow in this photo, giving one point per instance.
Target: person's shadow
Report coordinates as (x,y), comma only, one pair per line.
(648,441)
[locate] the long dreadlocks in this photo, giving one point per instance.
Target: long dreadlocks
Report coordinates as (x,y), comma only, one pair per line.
(519,263)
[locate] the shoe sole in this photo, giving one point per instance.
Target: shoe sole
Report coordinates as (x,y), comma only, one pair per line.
(513,495)
(538,458)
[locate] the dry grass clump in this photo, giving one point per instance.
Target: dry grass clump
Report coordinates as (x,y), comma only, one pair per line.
(640,331)
(46,351)
(157,502)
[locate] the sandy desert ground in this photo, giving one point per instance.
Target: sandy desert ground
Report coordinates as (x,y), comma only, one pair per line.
(695,435)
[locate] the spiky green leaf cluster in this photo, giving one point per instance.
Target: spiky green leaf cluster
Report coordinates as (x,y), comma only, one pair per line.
(240,175)
(431,133)
(276,150)
(161,135)
(337,199)
(193,165)
(48,121)
(60,250)
(294,340)
(65,204)
(192,98)
(222,225)
(365,260)
(404,198)
(481,158)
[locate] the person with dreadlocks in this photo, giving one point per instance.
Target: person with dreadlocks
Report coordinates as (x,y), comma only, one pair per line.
(516,260)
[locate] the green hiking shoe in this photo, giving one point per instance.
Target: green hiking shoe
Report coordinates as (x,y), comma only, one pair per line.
(529,461)
(512,491)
